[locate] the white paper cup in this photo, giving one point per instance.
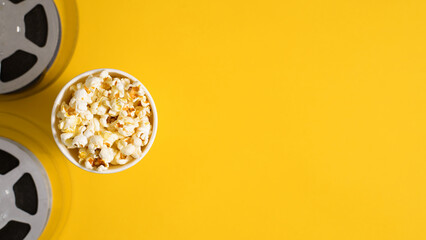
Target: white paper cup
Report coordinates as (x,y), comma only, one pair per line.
(65,95)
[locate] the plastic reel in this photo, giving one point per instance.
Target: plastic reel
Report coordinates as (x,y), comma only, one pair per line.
(29,38)
(34,138)
(25,193)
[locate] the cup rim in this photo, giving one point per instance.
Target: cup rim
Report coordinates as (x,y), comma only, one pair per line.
(65,151)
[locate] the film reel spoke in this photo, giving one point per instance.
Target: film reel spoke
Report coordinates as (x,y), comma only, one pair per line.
(12,177)
(32,48)
(21,216)
(7,193)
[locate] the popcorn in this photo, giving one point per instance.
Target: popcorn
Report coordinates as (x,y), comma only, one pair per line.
(93,83)
(101,168)
(66,138)
(144,102)
(118,90)
(107,154)
(120,159)
(129,149)
(144,132)
(94,108)
(83,153)
(103,121)
(64,111)
(94,125)
(88,164)
(137,153)
(69,124)
(136,141)
(117,105)
(104,74)
(122,143)
(123,114)
(110,138)
(95,142)
(88,133)
(79,141)
(86,116)
(126,126)
(82,95)
(106,102)
(107,119)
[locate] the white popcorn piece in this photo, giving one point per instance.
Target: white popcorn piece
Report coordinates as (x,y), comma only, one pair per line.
(107,154)
(83,153)
(137,153)
(126,82)
(80,130)
(82,95)
(94,125)
(88,133)
(102,110)
(126,126)
(120,159)
(93,83)
(76,87)
(129,149)
(112,113)
(67,140)
(80,106)
(143,130)
(117,91)
(94,107)
(88,165)
(103,121)
(144,102)
(79,141)
(112,81)
(109,138)
(136,141)
(141,91)
(122,143)
(86,116)
(69,124)
(117,105)
(102,168)
(104,74)
(95,142)
(64,111)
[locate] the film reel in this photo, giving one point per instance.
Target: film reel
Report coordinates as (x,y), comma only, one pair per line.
(30,33)
(25,193)
(35,140)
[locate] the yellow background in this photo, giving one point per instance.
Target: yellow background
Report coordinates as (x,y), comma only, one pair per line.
(277,120)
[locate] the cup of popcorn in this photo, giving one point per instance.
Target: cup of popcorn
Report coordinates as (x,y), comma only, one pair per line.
(104,121)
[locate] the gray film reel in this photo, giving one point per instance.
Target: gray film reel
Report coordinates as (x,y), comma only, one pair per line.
(30,33)
(25,193)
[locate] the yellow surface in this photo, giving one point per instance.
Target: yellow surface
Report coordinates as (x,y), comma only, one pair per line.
(277,120)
